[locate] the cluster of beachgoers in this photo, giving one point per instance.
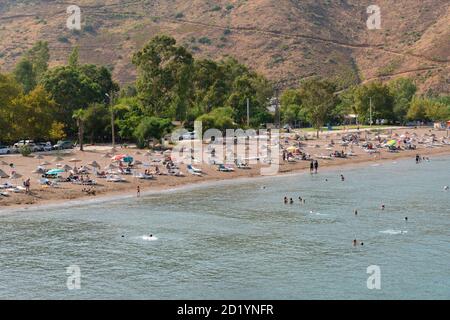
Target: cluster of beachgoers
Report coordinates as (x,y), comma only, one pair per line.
(99,170)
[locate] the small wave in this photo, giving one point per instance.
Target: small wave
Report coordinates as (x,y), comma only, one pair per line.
(148,238)
(394,232)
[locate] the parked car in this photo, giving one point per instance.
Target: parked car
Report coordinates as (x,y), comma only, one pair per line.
(5,149)
(44,146)
(30,143)
(63,145)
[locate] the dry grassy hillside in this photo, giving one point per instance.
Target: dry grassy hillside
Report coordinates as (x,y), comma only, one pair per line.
(284,39)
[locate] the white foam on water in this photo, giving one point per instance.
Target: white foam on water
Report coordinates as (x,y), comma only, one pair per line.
(148,238)
(394,232)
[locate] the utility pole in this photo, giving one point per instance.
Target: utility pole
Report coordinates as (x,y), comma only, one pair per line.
(370,107)
(248,112)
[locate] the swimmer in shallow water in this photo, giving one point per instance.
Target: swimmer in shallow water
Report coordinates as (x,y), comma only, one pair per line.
(383,207)
(291,201)
(342,177)
(356,212)
(406,219)
(285,200)
(446,188)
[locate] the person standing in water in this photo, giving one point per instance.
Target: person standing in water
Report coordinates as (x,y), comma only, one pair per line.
(311,166)
(138,191)
(342,177)
(316,166)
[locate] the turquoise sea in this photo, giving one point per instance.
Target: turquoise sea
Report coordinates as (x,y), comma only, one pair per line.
(238,240)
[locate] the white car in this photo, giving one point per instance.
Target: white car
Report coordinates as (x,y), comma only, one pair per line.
(5,150)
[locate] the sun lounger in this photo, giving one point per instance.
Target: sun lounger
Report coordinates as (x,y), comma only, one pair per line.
(243,166)
(191,171)
(144,176)
(6,185)
(190,167)
(115,178)
(224,168)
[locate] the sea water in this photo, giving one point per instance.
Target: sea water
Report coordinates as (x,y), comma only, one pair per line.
(238,240)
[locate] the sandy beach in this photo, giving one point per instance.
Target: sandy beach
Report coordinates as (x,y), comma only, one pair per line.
(43,195)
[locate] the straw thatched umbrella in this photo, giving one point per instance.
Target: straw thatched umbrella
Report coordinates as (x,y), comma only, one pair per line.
(58,158)
(3,175)
(4,163)
(15,176)
(39,157)
(67,168)
(94,164)
(74,160)
(45,163)
(111,167)
(107,156)
(138,153)
(137,162)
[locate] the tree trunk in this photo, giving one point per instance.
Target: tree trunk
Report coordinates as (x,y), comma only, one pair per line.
(80,134)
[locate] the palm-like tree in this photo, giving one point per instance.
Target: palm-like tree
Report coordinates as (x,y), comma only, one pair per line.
(80,116)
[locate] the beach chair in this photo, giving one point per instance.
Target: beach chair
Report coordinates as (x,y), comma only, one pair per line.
(144,176)
(191,171)
(223,168)
(243,166)
(115,178)
(190,167)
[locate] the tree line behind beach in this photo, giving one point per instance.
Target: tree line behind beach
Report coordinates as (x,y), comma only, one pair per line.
(77,100)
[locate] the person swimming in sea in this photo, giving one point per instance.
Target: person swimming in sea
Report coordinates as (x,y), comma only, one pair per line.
(342,177)
(383,207)
(446,188)
(291,201)
(356,212)
(406,219)
(285,200)
(300,199)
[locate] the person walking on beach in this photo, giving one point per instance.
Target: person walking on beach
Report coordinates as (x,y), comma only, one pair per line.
(138,191)
(417,159)
(311,166)
(316,166)
(27,185)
